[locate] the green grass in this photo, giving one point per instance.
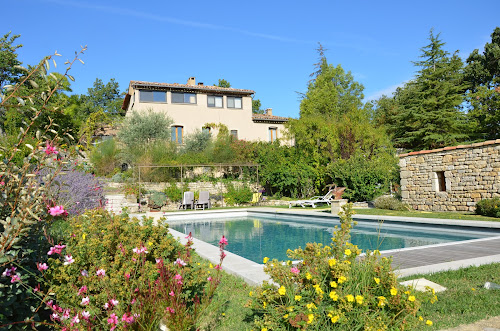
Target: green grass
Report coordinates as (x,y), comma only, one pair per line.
(466,300)
(426,214)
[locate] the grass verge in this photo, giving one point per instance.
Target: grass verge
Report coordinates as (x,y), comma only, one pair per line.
(425,214)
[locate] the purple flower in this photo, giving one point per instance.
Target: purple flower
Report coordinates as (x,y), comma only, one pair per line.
(85,273)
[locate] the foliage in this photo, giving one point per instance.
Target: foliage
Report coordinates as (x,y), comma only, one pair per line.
(105,157)
(139,130)
(331,289)
(76,190)
(197,142)
(482,75)
(102,97)
(130,269)
(425,113)
(390,203)
(256,107)
(223,83)
(9,64)
(237,195)
(174,193)
(157,199)
(363,176)
(488,207)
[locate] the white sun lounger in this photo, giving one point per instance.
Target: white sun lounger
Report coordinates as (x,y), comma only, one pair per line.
(316,200)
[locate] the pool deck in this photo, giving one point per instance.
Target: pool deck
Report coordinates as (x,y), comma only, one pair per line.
(406,261)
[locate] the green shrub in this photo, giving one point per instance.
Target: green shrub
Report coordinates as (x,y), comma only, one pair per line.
(390,203)
(488,207)
(174,193)
(104,158)
(237,195)
(157,199)
(331,288)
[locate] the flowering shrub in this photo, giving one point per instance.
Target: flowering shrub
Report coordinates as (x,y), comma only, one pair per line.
(119,273)
(334,288)
(488,207)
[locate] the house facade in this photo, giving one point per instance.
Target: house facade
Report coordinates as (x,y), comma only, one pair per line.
(202,107)
(451,178)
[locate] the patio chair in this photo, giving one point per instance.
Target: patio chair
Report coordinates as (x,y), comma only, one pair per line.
(203,201)
(256,198)
(316,200)
(187,201)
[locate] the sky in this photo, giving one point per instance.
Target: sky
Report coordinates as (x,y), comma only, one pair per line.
(265,46)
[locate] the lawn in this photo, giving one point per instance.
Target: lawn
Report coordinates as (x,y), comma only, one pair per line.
(426,214)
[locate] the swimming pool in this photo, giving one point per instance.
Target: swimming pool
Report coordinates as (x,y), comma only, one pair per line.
(259,234)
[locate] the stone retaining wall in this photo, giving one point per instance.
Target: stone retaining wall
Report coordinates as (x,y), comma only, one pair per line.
(451,178)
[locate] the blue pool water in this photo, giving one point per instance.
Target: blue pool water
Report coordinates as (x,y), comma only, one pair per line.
(256,237)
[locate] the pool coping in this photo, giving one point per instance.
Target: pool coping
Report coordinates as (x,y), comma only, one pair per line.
(253,273)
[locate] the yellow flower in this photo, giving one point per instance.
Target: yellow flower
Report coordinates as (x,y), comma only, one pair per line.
(266,259)
(285,316)
(318,289)
(308,276)
(311,306)
(381,301)
(282,290)
(394,291)
(250,293)
(334,318)
(150,243)
(473,289)
(332,262)
(333,295)
(359,299)
(84,235)
(210,266)
(347,252)
(421,318)
(411,298)
(223,314)
(333,284)
(288,262)
(350,298)
(341,279)
(298,297)
(428,322)
(290,309)
(377,280)
(264,304)
(310,318)
(263,329)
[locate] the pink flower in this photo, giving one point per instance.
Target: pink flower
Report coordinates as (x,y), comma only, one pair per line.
(42,266)
(68,260)
(170,310)
(75,320)
(158,260)
(15,278)
(295,270)
(171,293)
(114,302)
(127,276)
(189,237)
(57,210)
(101,272)
(133,301)
(85,314)
(85,301)
(65,315)
(180,262)
(8,272)
(50,149)
(2,183)
(57,249)
(209,278)
(140,250)
(178,277)
(55,317)
(223,241)
(106,305)
(37,288)
(218,267)
(113,319)
(82,290)
(127,318)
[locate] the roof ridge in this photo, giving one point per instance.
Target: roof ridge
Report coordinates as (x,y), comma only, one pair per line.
(449,148)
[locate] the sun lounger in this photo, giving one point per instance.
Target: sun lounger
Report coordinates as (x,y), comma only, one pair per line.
(314,201)
(203,200)
(187,201)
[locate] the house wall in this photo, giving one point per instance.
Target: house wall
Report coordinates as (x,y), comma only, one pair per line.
(193,117)
(471,173)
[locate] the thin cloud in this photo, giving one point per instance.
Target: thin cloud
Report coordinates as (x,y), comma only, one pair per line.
(387,91)
(171,20)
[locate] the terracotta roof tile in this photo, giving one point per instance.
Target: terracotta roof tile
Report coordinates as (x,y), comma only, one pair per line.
(194,87)
(265,117)
(484,143)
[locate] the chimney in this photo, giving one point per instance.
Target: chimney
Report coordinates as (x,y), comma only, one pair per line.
(191,81)
(200,84)
(269,111)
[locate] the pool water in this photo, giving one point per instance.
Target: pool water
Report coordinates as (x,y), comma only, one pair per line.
(257,237)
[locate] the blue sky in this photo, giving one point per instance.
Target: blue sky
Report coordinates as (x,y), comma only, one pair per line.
(266,46)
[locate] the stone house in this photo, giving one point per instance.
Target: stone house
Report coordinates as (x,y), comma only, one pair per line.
(195,107)
(451,178)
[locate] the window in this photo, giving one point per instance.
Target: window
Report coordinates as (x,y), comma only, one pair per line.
(183,97)
(215,101)
(441,181)
(205,129)
(177,134)
(234,102)
(234,134)
(273,134)
(152,96)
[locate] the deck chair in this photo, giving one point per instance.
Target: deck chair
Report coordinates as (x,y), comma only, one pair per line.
(203,201)
(256,198)
(187,201)
(314,201)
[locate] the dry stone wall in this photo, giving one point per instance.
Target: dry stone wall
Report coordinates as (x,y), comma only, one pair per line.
(451,178)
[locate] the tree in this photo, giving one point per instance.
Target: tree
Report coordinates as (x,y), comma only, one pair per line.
(105,97)
(223,83)
(425,113)
(9,64)
(482,75)
(142,129)
(256,104)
